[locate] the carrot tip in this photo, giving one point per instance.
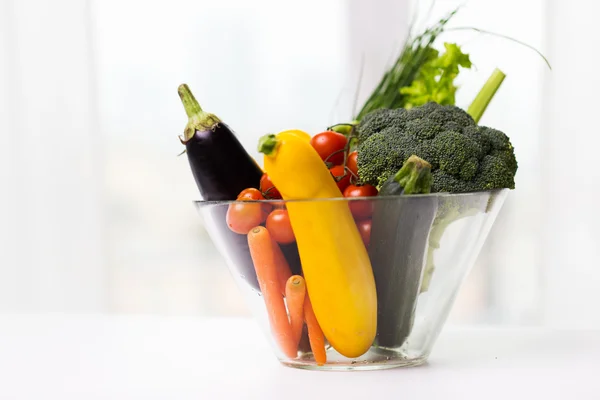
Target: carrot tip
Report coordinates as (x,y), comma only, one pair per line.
(296,280)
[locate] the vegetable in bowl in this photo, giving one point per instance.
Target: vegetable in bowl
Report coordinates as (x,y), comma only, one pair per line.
(464,157)
(442,149)
(338,233)
(221,168)
(400,230)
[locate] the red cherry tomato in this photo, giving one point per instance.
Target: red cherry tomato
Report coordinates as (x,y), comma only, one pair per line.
(361,208)
(255,194)
(250,194)
(329,142)
(360,191)
(279,226)
(341,176)
(268,188)
(242,217)
(364,227)
(352,162)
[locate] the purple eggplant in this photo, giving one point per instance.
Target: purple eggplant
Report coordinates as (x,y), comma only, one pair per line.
(222,169)
(221,166)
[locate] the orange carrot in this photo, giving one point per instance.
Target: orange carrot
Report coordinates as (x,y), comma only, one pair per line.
(315,334)
(263,257)
(283,268)
(295,290)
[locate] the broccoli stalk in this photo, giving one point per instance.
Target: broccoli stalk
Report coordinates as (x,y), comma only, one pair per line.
(448,212)
(413,178)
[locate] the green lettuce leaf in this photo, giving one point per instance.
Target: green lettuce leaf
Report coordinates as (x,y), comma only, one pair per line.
(435,81)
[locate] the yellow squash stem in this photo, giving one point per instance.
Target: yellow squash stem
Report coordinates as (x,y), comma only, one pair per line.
(335,262)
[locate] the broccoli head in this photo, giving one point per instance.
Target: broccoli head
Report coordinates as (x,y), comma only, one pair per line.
(464,157)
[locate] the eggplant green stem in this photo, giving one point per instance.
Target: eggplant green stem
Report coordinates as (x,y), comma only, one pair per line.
(414,176)
(267,144)
(189,101)
(199,120)
(485,95)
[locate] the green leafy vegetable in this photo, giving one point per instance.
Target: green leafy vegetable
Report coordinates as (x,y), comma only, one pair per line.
(416,52)
(435,81)
(419,74)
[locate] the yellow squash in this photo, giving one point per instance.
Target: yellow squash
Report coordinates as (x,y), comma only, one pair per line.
(335,262)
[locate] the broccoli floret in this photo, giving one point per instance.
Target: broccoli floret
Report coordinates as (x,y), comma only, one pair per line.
(379,120)
(494,174)
(445,182)
(464,157)
(382,167)
(500,147)
(458,155)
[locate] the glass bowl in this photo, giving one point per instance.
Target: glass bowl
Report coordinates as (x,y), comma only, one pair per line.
(420,249)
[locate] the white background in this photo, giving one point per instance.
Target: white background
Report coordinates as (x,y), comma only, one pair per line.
(95,205)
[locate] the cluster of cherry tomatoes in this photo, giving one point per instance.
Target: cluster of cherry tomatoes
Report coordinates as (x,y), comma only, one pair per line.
(332,148)
(246,214)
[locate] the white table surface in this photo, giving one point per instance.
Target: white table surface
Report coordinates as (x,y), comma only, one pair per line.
(152,357)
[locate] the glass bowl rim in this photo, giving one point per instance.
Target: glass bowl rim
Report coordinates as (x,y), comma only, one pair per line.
(203,203)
